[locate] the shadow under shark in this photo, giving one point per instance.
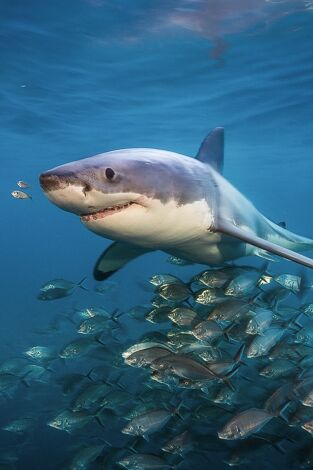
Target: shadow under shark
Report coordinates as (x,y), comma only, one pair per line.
(149,199)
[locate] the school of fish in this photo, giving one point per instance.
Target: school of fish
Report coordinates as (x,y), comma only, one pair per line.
(217,371)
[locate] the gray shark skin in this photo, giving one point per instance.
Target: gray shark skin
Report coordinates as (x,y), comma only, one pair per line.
(149,199)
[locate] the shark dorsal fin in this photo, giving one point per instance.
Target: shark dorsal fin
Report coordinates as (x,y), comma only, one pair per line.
(211,150)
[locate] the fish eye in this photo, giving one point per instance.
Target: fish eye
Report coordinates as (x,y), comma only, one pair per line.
(109,173)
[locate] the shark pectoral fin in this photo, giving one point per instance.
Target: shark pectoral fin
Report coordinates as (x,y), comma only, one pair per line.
(115,257)
(229,229)
(211,150)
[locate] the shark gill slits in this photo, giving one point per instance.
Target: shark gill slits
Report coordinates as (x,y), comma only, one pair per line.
(109,173)
(86,188)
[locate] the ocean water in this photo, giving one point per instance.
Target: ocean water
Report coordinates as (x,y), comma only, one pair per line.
(83,77)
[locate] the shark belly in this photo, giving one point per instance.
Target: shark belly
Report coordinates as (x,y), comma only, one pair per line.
(166,226)
(211,249)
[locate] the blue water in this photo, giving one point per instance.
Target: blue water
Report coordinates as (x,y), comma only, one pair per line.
(83,77)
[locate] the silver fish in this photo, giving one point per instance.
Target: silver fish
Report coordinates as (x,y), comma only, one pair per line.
(224,367)
(93,325)
(159,315)
(90,312)
(215,279)
(301,416)
(229,311)
(20,425)
(180,444)
(90,396)
(149,422)
(115,399)
(261,345)
(244,424)
(41,353)
(183,316)
(69,421)
(22,184)
(308,427)
(289,281)
(145,345)
(305,336)
(207,330)
(226,396)
(84,456)
(303,391)
(77,348)
(184,367)
(20,195)
(160,279)
(144,462)
(307,309)
(174,291)
(243,285)
(279,368)
(209,297)
(260,321)
(9,381)
(145,357)
(59,288)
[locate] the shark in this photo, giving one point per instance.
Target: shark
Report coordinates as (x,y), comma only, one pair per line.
(146,199)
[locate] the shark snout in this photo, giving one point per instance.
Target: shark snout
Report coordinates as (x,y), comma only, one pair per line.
(57,179)
(49,181)
(66,190)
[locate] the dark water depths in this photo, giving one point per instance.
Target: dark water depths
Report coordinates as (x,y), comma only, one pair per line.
(83,77)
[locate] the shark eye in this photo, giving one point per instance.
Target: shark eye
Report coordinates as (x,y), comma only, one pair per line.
(109,173)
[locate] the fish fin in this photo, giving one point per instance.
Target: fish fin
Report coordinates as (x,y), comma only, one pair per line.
(80,283)
(132,445)
(239,354)
(273,441)
(24,377)
(265,255)
(231,230)
(100,418)
(227,377)
(211,150)
(89,374)
(229,384)
(305,284)
(227,331)
(115,257)
(176,412)
(281,412)
(116,315)
(282,224)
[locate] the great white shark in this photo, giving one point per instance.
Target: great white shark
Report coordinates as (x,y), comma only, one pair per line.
(149,199)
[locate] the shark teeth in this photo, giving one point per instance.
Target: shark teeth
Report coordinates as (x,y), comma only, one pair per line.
(104,212)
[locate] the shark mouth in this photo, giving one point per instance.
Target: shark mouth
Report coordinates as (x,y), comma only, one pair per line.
(106,212)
